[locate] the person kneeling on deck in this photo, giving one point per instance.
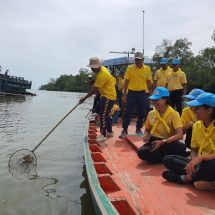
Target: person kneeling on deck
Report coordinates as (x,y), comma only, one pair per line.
(105,84)
(163,130)
(188,116)
(200,168)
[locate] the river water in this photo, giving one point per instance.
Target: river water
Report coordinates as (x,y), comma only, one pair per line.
(60,187)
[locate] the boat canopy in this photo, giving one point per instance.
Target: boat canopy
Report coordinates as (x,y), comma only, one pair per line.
(125,60)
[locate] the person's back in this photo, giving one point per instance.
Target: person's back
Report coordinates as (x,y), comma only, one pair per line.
(106,83)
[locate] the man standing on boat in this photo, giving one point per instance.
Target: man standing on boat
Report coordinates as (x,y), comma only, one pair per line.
(161,75)
(176,85)
(137,81)
(105,84)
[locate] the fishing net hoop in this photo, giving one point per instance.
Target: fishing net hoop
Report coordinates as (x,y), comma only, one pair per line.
(22,163)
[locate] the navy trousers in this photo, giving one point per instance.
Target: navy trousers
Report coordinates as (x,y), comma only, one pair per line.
(137,98)
(176,100)
(175,148)
(204,171)
(104,113)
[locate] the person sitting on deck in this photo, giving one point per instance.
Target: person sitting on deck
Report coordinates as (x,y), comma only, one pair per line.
(105,84)
(188,116)
(163,130)
(200,168)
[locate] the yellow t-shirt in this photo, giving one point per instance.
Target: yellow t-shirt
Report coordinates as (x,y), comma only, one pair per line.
(187,116)
(105,82)
(171,118)
(120,86)
(137,77)
(161,76)
(176,80)
(122,83)
(203,138)
(151,80)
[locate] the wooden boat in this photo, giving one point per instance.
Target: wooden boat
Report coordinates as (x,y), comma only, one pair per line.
(121,183)
(13,85)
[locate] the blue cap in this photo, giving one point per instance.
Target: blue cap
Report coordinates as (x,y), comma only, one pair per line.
(203,99)
(194,93)
(164,61)
(159,93)
(175,61)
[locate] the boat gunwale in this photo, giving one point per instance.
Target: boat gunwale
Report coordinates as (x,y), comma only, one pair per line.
(103,204)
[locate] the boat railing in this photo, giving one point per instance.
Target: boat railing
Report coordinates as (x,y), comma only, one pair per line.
(15,79)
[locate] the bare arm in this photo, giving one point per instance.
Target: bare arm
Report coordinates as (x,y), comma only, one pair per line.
(191,166)
(184,88)
(125,88)
(92,91)
(155,84)
(146,135)
(187,126)
(177,136)
(149,85)
(194,152)
(207,157)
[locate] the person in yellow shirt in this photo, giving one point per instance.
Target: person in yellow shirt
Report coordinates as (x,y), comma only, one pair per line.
(188,116)
(200,168)
(161,75)
(120,80)
(105,84)
(163,130)
(137,81)
(122,101)
(176,84)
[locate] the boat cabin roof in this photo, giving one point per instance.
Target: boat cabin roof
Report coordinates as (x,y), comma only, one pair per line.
(124,61)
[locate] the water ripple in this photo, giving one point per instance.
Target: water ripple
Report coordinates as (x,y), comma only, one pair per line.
(56,188)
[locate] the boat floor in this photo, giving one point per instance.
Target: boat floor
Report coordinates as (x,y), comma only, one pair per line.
(136,187)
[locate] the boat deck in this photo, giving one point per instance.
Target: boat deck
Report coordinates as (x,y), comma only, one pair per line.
(136,187)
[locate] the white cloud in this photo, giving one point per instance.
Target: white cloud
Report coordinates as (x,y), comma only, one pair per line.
(42,39)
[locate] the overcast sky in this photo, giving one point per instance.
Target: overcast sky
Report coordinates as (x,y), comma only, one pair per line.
(43,39)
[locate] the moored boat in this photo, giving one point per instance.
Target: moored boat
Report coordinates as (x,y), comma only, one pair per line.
(121,183)
(13,85)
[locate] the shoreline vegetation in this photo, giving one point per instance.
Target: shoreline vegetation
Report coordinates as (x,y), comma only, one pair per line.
(200,69)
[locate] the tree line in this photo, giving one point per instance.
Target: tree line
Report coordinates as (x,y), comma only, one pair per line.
(200,69)
(70,83)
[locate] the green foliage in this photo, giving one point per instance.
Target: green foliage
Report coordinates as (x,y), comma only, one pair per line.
(200,69)
(77,83)
(203,70)
(180,49)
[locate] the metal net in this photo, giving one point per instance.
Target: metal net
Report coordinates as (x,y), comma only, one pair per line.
(22,164)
